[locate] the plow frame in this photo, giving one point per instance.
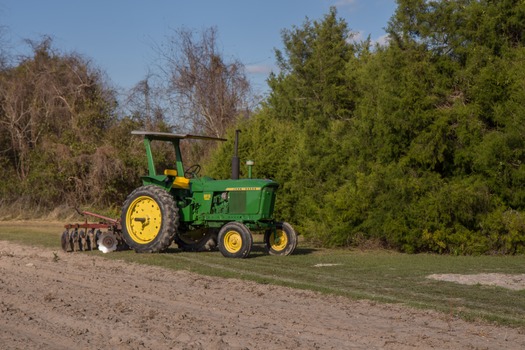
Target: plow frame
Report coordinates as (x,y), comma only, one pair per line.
(88,235)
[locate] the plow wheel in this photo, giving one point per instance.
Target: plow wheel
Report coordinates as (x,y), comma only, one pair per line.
(149,219)
(282,240)
(235,240)
(64,240)
(107,242)
(74,241)
(91,242)
(82,240)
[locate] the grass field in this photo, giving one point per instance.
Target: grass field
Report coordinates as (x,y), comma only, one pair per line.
(380,276)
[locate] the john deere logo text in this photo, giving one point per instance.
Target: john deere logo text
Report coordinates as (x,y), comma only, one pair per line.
(243,189)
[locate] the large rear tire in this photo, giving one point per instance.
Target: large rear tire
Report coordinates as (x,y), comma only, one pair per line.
(282,240)
(235,240)
(149,219)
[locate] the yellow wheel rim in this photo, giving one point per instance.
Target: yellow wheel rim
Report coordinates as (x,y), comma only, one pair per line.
(143,219)
(232,241)
(278,240)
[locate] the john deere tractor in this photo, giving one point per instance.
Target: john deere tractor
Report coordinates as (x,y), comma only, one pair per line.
(199,213)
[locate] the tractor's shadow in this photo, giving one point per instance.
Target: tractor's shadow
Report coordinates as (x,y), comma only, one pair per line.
(258,250)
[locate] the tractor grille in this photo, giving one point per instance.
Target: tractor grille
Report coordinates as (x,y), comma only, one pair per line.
(237,202)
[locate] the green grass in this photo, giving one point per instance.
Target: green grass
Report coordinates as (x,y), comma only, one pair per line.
(381,276)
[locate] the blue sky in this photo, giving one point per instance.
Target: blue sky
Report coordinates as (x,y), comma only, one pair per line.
(119,35)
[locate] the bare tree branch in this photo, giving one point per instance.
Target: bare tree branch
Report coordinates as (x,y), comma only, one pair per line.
(209,94)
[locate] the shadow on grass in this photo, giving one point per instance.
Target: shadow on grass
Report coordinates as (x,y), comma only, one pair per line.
(304,251)
(258,250)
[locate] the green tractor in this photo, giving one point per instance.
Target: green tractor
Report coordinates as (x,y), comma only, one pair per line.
(200,213)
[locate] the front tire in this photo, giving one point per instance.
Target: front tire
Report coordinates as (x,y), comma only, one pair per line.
(235,240)
(149,219)
(282,240)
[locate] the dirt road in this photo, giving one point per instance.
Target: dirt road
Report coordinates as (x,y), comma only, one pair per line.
(76,301)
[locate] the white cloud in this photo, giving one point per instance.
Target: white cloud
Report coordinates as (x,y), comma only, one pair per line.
(357,37)
(383,40)
(341,3)
(259,69)
(360,36)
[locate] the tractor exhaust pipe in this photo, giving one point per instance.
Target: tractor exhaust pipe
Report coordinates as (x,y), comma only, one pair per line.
(235,158)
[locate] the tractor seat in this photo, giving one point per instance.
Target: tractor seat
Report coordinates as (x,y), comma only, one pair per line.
(179,181)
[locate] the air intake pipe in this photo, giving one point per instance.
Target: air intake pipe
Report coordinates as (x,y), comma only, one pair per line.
(235,158)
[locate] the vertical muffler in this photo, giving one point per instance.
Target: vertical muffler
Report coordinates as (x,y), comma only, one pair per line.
(235,158)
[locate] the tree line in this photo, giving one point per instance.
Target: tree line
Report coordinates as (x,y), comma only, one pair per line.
(417,145)
(65,131)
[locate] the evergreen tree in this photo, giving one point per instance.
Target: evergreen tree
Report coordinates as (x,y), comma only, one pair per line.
(416,145)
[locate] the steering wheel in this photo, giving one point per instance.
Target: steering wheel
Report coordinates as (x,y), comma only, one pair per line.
(192,171)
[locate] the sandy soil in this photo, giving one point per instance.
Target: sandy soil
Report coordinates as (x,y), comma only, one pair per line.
(75,301)
(514,282)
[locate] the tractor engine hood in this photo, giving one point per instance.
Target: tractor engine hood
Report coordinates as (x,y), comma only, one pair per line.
(247,200)
(206,184)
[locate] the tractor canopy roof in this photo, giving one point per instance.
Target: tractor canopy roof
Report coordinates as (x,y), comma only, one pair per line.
(166,136)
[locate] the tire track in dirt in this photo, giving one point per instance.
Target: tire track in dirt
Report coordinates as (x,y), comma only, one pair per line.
(77,300)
